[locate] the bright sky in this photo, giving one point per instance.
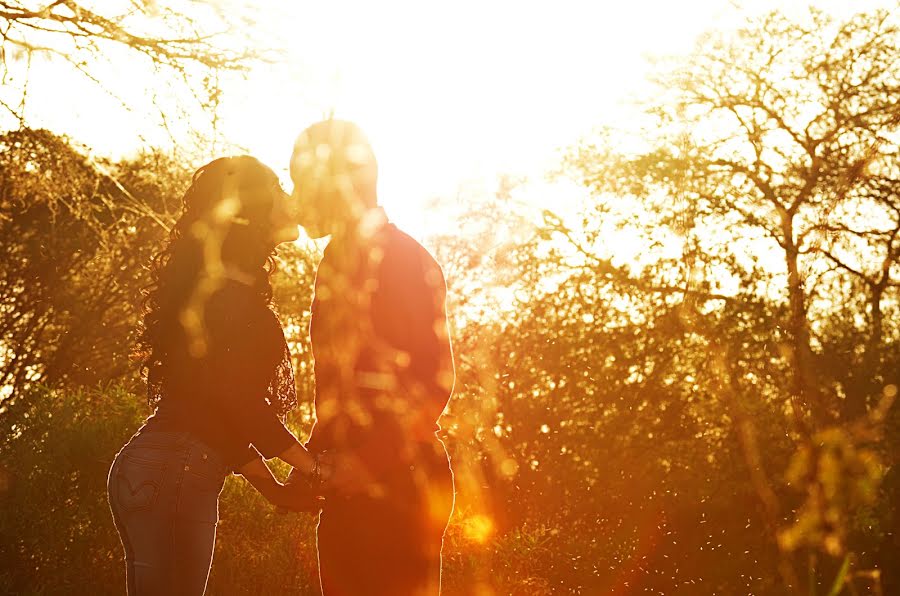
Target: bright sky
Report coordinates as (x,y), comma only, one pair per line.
(449,92)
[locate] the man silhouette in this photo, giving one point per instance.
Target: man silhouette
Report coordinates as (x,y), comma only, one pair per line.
(384,373)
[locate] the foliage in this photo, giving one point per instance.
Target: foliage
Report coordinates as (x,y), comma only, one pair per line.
(76,234)
(721,312)
(59,535)
(685,388)
(183,46)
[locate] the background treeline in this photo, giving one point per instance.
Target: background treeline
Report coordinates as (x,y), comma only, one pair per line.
(683,386)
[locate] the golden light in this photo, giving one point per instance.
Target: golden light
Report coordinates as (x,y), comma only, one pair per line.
(447,94)
(478,528)
(453,94)
(509,467)
(464,93)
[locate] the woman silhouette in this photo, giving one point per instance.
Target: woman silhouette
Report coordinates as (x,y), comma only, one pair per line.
(219,374)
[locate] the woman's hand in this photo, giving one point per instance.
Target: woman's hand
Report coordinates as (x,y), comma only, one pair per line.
(295,496)
(341,474)
(292,496)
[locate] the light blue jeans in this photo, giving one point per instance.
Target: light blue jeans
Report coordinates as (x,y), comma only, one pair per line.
(164,494)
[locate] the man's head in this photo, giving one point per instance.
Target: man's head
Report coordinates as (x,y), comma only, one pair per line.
(335,177)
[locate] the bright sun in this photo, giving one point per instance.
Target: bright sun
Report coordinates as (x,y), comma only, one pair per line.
(447,93)
(454,94)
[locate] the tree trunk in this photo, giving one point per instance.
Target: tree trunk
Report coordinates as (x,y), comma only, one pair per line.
(804,389)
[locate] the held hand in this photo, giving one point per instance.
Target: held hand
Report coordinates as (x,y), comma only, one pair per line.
(295,495)
(313,479)
(295,477)
(288,497)
(324,469)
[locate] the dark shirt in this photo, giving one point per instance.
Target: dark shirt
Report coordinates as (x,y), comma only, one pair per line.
(383,361)
(227,395)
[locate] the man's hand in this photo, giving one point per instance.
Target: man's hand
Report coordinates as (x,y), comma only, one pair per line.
(297,494)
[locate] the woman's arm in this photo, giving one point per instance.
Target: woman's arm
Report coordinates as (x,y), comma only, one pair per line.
(302,460)
(257,472)
(259,475)
(248,345)
(292,495)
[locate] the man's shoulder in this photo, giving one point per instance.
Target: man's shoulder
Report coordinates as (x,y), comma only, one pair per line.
(403,246)
(408,260)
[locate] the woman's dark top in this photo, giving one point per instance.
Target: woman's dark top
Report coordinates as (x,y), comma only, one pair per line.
(231,394)
(383,362)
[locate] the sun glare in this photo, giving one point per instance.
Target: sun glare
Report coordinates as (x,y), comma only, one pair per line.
(456,94)
(478,528)
(469,91)
(658,353)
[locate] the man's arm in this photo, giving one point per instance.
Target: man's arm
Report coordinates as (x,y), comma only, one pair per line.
(410,323)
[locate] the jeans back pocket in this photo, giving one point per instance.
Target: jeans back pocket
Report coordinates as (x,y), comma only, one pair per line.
(138,481)
(203,480)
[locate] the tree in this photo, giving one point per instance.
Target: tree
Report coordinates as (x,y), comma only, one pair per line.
(76,235)
(187,46)
(768,167)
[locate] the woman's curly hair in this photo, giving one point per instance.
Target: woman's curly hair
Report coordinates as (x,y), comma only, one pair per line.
(225,222)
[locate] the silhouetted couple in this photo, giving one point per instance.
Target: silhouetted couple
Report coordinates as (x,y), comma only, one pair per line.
(219,372)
